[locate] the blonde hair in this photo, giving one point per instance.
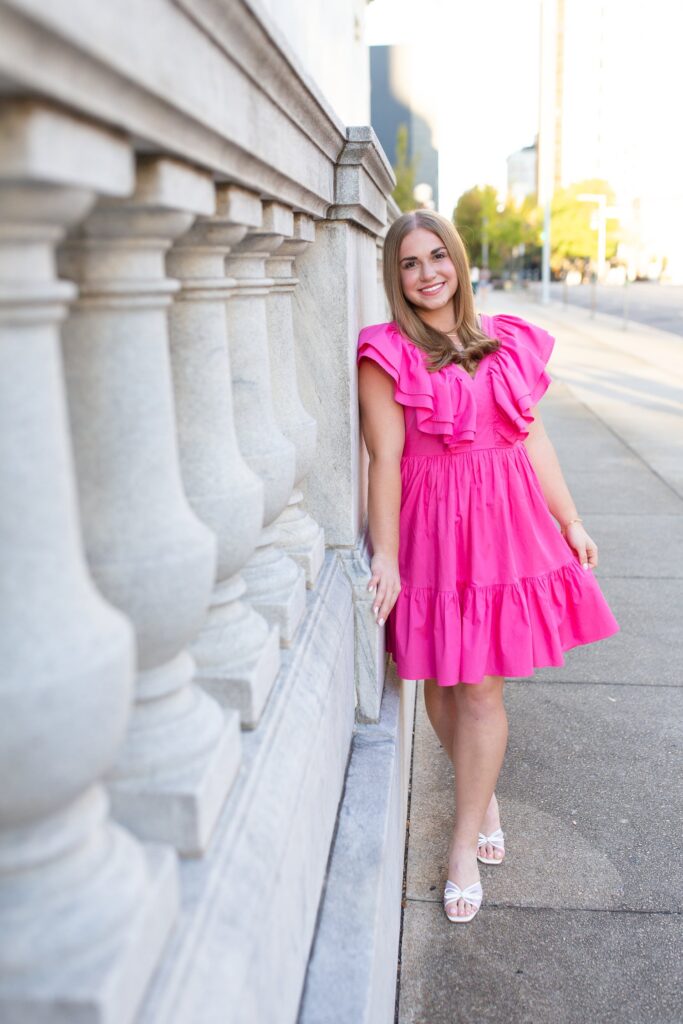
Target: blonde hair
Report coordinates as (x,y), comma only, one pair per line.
(476,344)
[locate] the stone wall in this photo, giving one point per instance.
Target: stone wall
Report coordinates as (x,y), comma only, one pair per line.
(189,245)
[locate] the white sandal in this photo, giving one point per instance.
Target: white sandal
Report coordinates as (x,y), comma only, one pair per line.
(472,894)
(497,840)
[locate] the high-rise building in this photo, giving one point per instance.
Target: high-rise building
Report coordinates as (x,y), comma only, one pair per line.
(396,98)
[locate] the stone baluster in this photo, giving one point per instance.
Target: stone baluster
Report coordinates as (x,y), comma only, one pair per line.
(237,652)
(149,553)
(85,909)
(275,583)
(296,531)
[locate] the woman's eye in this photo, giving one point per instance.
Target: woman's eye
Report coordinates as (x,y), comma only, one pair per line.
(409,266)
(440,255)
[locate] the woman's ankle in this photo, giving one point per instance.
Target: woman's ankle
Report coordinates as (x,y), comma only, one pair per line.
(463,849)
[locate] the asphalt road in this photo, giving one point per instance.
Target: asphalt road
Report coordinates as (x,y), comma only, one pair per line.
(653,304)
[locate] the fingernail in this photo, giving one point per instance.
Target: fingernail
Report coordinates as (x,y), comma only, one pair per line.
(585,565)
(375,610)
(371,587)
(380,622)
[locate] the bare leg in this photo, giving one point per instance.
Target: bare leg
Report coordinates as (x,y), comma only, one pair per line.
(441,711)
(479,742)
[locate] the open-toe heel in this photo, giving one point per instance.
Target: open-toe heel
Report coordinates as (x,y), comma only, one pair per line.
(471,894)
(497,840)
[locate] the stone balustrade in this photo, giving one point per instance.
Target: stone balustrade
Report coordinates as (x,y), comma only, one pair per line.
(148,552)
(237,652)
(275,583)
(84,906)
(187,251)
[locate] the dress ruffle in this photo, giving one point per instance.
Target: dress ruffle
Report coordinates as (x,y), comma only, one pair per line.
(518,375)
(443,402)
(507,629)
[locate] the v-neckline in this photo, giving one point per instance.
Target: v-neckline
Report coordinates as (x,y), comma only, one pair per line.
(477,371)
(481,361)
(459,367)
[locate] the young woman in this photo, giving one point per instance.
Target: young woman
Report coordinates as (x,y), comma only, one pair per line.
(472,575)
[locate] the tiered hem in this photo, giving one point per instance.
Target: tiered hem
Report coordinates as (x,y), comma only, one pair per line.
(506,629)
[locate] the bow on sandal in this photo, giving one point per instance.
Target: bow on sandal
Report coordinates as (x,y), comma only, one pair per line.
(497,840)
(472,894)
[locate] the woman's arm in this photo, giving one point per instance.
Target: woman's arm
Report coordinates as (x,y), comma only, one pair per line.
(383,430)
(546,465)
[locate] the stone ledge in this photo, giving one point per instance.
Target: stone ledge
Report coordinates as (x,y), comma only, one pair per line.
(352,972)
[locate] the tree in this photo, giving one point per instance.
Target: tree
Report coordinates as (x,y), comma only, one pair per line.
(479,213)
(571,234)
(471,209)
(405,170)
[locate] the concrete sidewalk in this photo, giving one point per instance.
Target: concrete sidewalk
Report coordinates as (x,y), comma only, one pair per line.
(582,921)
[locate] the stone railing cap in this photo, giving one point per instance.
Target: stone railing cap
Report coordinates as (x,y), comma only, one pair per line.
(363,147)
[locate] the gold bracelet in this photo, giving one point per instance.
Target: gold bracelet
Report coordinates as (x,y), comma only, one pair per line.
(577,520)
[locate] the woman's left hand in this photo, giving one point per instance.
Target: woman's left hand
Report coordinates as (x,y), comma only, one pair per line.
(585,548)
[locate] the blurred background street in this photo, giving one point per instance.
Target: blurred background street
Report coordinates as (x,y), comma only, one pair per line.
(645,302)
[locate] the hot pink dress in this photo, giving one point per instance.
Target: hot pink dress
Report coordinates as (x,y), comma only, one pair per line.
(489,586)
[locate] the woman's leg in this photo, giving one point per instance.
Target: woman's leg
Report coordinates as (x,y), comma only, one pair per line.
(479,742)
(441,711)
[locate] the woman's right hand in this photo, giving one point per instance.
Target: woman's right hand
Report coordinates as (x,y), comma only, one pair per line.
(385,582)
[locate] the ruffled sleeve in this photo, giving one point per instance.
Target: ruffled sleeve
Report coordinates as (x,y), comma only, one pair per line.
(519,378)
(442,403)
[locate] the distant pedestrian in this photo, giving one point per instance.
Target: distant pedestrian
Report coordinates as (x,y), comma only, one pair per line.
(472,576)
(474,278)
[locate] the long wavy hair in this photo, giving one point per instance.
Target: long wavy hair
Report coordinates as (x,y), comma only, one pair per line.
(438,346)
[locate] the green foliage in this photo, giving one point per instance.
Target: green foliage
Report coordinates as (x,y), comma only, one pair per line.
(405,170)
(477,215)
(571,234)
(468,217)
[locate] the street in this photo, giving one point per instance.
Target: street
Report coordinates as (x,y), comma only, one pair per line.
(646,302)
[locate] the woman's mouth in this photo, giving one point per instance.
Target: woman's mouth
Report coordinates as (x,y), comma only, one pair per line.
(432,289)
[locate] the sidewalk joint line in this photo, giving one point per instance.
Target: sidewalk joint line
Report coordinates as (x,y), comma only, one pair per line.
(571,909)
(593,682)
(634,577)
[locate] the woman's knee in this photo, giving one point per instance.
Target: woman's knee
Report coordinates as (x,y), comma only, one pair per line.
(480,698)
(433,691)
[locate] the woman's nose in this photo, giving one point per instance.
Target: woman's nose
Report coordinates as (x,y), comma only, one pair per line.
(427,271)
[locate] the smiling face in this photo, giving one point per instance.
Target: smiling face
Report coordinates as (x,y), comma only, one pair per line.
(428,277)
